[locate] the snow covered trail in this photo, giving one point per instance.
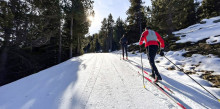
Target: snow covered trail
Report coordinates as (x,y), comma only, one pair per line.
(117,86)
(95,81)
(89,81)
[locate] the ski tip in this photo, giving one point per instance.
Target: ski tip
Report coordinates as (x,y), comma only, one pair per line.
(144,86)
(218,100)
(181,105)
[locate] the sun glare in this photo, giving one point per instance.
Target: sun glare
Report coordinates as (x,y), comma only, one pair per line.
(91,18)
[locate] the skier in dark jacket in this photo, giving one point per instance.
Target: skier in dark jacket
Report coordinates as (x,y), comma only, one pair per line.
(151,39)
(124,44)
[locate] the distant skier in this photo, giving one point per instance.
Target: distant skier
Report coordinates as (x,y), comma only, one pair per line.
(151,39)
(124,44)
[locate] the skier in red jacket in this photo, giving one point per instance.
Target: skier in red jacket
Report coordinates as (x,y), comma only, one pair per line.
(151,39)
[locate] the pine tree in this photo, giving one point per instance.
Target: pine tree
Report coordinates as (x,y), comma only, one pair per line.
(119,30)
(170,15)
(32,31)
(6,27)
(136,20)
(76,23)
(209,8)
(106,34)
(97,44)
(148,13)
(110,32)
(103,34)
(186,14)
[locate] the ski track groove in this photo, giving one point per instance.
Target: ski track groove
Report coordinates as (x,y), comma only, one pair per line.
(123,84)
(90,82)
(110,88)
(96,77)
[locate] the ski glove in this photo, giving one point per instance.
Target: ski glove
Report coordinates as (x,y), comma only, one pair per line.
(161,52)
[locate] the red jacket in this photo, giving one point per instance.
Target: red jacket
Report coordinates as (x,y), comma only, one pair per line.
(153,38)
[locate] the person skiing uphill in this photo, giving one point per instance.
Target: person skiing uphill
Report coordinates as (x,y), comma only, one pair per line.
(124,42)
(151,39)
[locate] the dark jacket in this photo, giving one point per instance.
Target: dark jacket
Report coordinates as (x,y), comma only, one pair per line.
(123,41)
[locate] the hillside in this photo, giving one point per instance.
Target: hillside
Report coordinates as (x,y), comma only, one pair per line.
(196,49)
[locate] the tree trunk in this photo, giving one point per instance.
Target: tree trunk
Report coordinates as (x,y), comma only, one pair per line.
(78,45)
(110,40)
(140,27)
(71,38)
(169,21)
(107,42)
(60,45)
(31,21)
(4,56)
(3,61)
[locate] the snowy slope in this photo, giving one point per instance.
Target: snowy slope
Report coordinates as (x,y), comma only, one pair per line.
(183,83)
(102,80)
(198,32)
(208,30)
(195,63)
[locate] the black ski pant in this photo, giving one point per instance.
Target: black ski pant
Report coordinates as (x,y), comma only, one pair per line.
(124,50)
(151,51)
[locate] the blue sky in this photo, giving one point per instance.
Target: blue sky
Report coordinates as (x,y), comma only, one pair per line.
(103,8)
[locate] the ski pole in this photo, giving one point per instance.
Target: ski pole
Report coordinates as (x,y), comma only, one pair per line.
(193,79)
(120,55)
(142,67)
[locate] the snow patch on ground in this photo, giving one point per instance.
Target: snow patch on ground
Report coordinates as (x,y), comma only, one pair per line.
(197,62)
(213,40)
(197,32)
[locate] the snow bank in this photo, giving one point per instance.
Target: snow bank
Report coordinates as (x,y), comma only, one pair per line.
(209,29)
(196,62)
(47,89)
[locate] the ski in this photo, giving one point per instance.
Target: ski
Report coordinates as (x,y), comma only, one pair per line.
(161,84)
(161,87)
(164,92)
(124,59)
